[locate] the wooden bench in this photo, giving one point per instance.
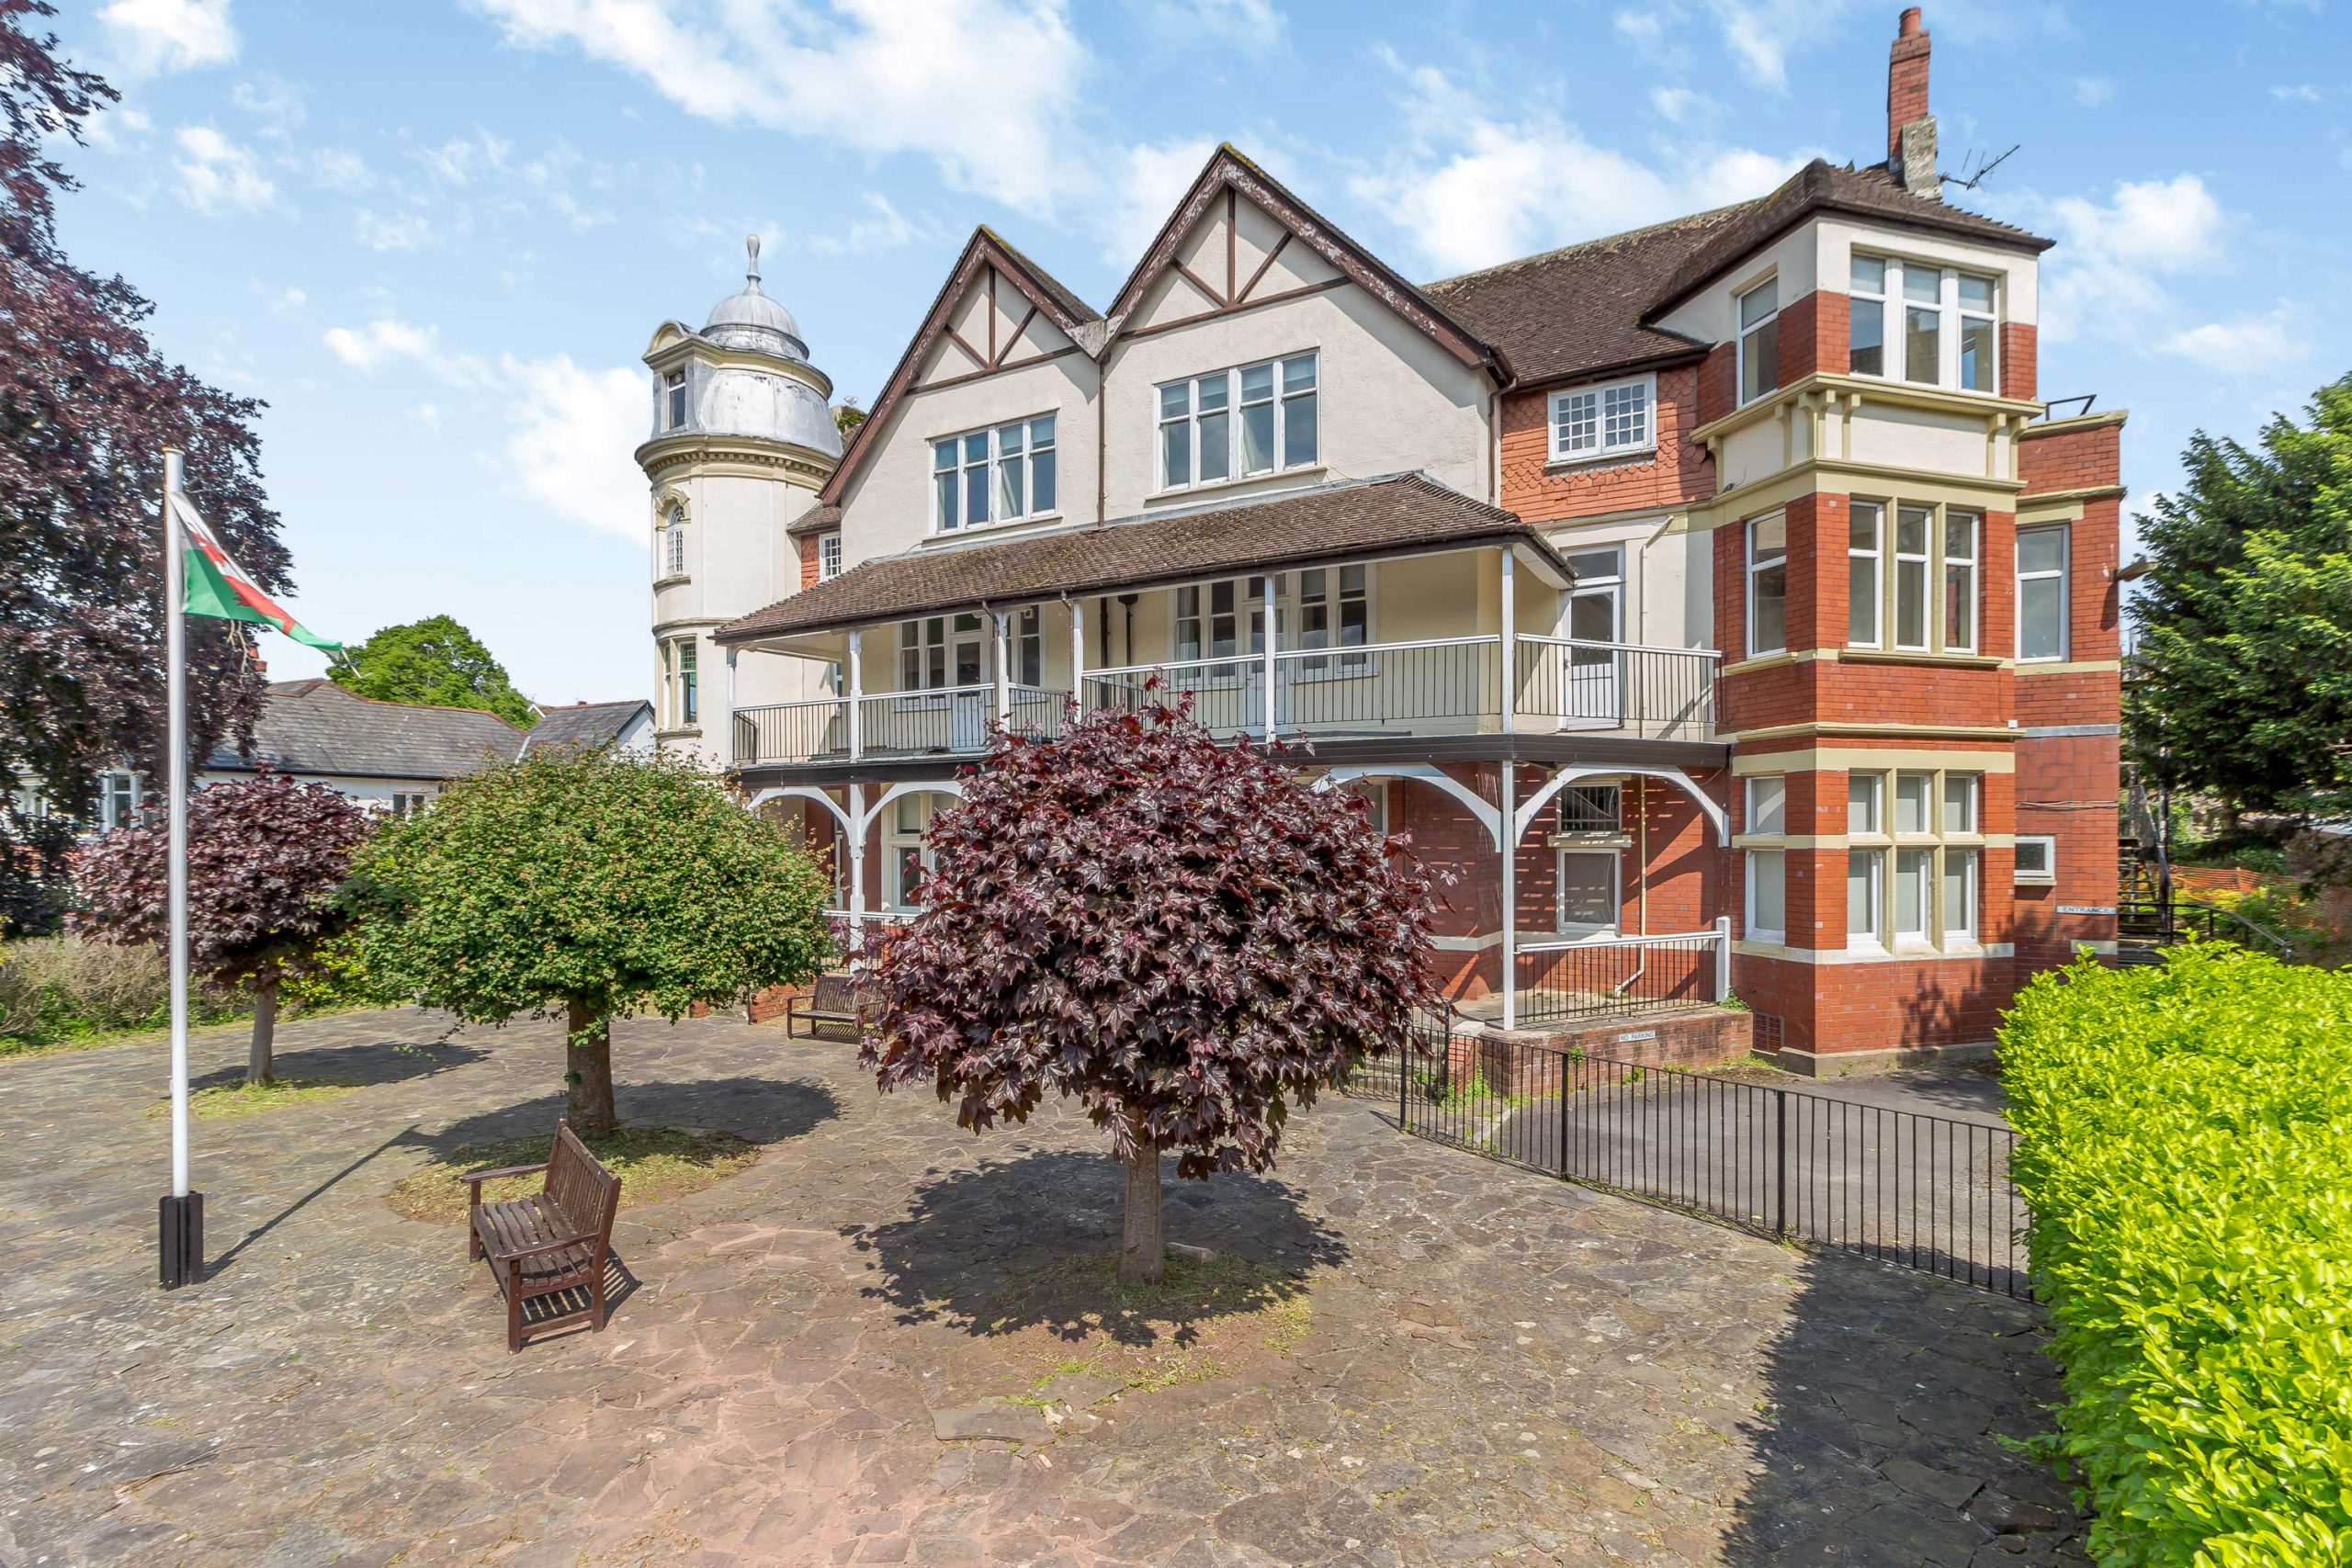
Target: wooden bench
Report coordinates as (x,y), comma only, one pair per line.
(554,1242)
(835,1001)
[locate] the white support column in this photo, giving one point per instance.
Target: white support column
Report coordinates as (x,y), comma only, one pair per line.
(176,807)
(1077,654)
(1003,674)
(1722,958)
(856,859)
(1510,893)
(1510,645)
(728,751)
(1273,642)
(856,692)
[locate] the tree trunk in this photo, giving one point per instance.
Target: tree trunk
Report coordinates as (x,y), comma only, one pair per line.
(588,1074)
(257,1061)
(1143,1250)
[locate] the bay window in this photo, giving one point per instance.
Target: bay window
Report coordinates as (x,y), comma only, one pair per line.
(1942,324)
(2042,594)
(1237,424)
(1614,420)
(1888,581)
(1960,582)
(1865,527)
(1912,883)
(1006,474)
(1767,862)
(1759,340)
(1768,584)
(1866,316)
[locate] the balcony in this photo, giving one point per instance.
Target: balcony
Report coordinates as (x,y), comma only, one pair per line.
(1448,686)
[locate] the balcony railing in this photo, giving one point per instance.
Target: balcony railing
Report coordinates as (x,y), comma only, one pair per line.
(1565,979)
(1443,686)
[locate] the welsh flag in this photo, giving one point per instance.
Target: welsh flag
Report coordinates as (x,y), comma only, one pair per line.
(218,586)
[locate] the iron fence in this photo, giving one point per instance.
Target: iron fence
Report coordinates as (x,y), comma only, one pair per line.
(1906,1188)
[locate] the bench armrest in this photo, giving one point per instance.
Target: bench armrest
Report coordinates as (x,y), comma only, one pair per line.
(476,1178)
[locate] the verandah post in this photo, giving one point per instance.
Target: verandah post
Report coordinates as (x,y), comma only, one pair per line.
(1722,958)
(1510,707)
(857,695)
(730,752)
(1510,893)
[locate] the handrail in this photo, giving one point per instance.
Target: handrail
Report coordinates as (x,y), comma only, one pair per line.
(796,703)
(1488,640)
(1619,647)
(1568,943)
(1106,672)
(2167,913)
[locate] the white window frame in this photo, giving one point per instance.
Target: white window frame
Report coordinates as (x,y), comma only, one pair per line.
(1953,844)
(929,663)
(1603,929)
(829,557)
(673,544)
(1745,332)
(2063,574)
(897,840)
(1581,420)
(1348,658)
(1764,817)
(1971,599)
(1858,300)
(120,795)
(1952,320)
(2048,874)
(681,679)
(1012,446)
(1176,405)
(1913,567)
(1757,566)
(1866,567)
(677,412)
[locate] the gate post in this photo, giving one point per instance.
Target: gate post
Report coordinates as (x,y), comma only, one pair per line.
(1781,1162)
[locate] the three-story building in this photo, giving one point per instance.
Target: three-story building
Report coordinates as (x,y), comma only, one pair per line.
(1716,599)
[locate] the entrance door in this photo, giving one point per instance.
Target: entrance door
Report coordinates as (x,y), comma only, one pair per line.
(1593,697)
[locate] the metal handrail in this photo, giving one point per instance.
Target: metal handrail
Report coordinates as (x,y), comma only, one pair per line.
(1713,653)
(1566,944)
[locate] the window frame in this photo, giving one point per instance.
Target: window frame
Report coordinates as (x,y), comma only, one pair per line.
(1772,850)
(2048,875)
(1931,570)
(1603,930)
(1897,847)
(2063,574)
(829,556)
(677,411)
(1877,556)
(1602,449)
(994,466)
(1281,399)
(1757,566)
(1952,320)
(673,544)
(1744,331)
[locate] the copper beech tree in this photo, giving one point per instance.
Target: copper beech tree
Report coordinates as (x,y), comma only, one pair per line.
(1184,937)
(266,857)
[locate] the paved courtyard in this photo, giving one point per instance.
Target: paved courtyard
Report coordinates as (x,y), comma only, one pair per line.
(844,1354)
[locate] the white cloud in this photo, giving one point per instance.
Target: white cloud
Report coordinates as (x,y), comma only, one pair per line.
(425,414)
(570,431)
(1253,27)
(273,100)
(2107,277)
(288,301)
(1679,103)
(117,129)
(1145,185)
(2094,92)
(877,76)
(160,36)
(380,342)
(339,168)
(2246,346)
(216,175)
(2300,93)
(1473,191)
(1763,33)
(392,232)
(462,160)
(882,227)
(2163,225)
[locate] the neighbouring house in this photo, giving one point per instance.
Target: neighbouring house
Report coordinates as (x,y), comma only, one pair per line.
(389,758)
(1719,599)
(621,727)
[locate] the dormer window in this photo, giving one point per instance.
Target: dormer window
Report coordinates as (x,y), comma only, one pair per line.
(1930,325)
(1004,475)
(829,556)
(673,400)
(1616,419)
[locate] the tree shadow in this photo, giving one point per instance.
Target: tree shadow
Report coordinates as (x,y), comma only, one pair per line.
(759,1110)
(356,1067)
(1883,1435)
(1029,1242)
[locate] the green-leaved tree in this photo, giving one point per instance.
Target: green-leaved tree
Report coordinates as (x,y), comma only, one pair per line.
(2241,685)
(586,886)
(433,661)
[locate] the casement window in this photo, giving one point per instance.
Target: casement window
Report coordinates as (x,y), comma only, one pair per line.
(1865,571)
(1374,793)
(1942,325)
(407,805)
(681,683)
(2042,593)
(1319,608)
(1213,619)
(1960,533)
(2037,858)
(1759,340)
(1768,584)
(1006,474)
(934,649)
(1237,424)
(674,543)
(1333,610)
(1025,640)
(673,400)
(1588,895)
(119,799)
(829,556)
(1615,420)
(1767,866)
(1912,524)
(1914,852)
(906,859)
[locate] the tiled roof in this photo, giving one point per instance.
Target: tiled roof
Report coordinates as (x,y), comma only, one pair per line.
(585,724)
(816,519)
(316,726)
(1361,517)
(1064,296)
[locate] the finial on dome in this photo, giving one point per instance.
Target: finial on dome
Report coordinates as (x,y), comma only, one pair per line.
(751,245)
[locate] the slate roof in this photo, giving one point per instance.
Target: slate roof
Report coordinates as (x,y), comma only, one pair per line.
(1397,515)
(585,724)
(316,726)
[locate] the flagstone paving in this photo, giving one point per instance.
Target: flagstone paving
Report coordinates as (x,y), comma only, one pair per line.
(828,1359)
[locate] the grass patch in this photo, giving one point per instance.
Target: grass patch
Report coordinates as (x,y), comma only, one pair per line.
(1202,1320)
(653,1163)
(247,1100)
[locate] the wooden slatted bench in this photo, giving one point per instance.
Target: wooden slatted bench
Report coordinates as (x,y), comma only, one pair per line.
(834,1001)
(553,1242)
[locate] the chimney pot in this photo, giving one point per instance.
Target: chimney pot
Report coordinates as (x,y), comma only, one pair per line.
(1909,26)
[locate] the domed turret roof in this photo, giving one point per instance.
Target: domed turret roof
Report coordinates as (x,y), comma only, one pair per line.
(752,321)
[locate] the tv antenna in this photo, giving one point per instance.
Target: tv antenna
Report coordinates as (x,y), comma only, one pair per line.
(1967,180)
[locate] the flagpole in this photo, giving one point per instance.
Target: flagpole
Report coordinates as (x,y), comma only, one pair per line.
(181,1215)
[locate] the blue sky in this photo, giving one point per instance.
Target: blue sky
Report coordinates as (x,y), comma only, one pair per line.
(436,236)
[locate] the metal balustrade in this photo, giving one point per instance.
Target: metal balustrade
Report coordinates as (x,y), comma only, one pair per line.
(791,732)
(1656,693)
(1563,978)
(1229,694)
(1449,685)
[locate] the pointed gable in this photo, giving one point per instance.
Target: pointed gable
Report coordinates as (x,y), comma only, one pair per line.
(997,310)
(1238,239)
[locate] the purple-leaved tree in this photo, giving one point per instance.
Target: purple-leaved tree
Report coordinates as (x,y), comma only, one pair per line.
(265,858)
(1184,937)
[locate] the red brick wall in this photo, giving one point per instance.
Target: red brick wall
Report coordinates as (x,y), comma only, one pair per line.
(1813,336)
(2019,375)
(1677,474)
(807,545)
(2071,459)
(1718,383)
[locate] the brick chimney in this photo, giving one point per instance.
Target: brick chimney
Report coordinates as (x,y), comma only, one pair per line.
(1910,129)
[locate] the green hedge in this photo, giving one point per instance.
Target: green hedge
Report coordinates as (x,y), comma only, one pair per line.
(2188,1156)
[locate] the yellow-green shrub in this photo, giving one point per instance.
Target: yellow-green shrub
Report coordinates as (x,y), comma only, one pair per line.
(2187,1157)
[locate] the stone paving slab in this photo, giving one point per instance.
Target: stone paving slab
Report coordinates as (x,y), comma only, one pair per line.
(1497,1368)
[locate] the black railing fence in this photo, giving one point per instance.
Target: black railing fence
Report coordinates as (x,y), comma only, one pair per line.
(1920,1191)
(1602,979)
